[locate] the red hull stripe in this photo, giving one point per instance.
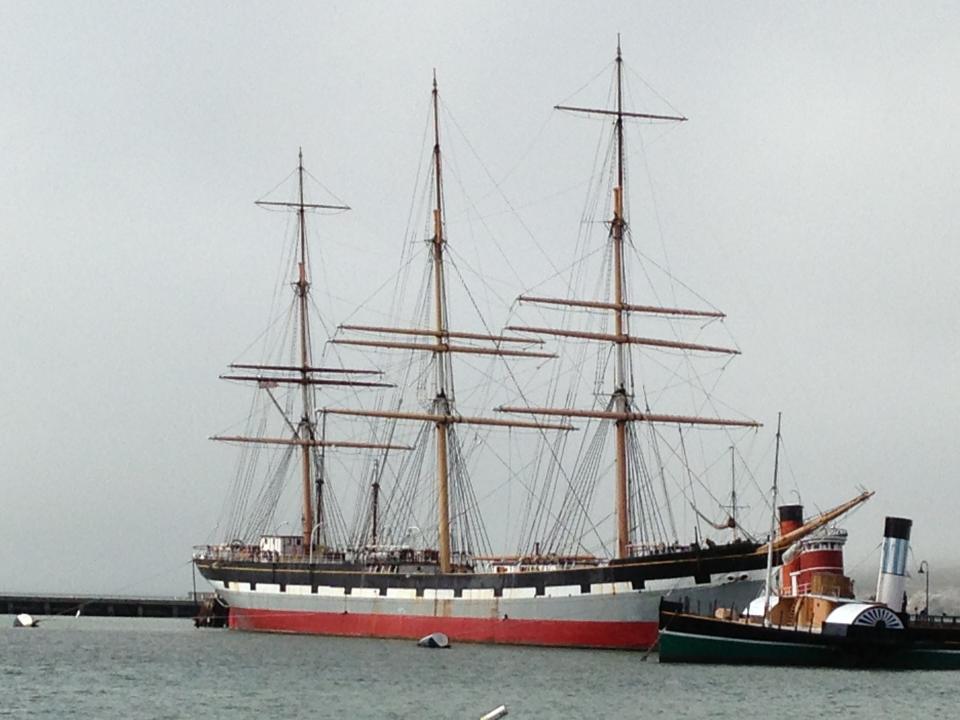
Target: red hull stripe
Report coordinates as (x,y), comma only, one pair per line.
(563,633)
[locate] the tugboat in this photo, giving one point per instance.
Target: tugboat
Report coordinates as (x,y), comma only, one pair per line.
(816,620)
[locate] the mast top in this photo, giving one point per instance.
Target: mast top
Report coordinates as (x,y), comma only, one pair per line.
(619,112)
(301,205)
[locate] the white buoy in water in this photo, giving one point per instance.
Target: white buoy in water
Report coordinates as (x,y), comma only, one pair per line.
(497,712)
(24,620)
(434,640)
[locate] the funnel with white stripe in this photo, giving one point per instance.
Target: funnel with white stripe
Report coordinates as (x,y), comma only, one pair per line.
(891,583)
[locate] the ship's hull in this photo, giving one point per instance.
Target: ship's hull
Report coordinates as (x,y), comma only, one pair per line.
(556,633)
(601,607)
(624,620)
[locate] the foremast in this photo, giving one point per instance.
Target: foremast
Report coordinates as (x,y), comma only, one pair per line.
(442,412)
(303,432)
(620,407)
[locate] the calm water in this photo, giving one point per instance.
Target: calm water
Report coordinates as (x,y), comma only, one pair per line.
(106,668)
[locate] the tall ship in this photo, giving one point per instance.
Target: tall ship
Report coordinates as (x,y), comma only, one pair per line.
(416,557)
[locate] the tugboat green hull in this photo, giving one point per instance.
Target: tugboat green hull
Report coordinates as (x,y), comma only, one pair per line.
(688,638)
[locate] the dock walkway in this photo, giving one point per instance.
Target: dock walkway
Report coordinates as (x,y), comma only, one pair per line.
(104,606)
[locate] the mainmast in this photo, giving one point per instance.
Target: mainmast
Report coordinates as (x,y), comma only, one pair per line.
(621,400)
(442,411)
(303,431)
(620,406)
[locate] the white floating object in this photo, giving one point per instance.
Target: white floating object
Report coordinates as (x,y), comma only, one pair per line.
(24,620)
(757,606)
(497,712)
(434,640)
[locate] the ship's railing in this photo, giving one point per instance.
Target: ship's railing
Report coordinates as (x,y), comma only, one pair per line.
(542,559)
(925,619)
(400,555)
(652,549)
(253,553)
(385,556)
(532,563)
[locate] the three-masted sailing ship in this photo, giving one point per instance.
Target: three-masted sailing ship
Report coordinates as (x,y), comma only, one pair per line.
(389,579)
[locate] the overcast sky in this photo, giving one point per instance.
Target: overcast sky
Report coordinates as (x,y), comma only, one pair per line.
(811,196)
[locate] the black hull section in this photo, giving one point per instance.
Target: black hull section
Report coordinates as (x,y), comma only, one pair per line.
(704,566)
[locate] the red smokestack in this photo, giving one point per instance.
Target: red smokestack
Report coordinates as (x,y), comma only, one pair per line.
(791,517)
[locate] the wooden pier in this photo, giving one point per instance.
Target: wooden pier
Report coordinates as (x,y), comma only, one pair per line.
(199,606)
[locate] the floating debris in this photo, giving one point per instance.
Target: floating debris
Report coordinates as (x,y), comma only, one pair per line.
(435,640)
(497,712)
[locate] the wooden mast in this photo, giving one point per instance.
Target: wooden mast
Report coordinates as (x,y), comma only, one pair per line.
(621,399)
(318,533)
(306,421)
(733,489)
(773,526)
(620,409)
(442,400)
(442,411)
(303,374)
(375,489)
